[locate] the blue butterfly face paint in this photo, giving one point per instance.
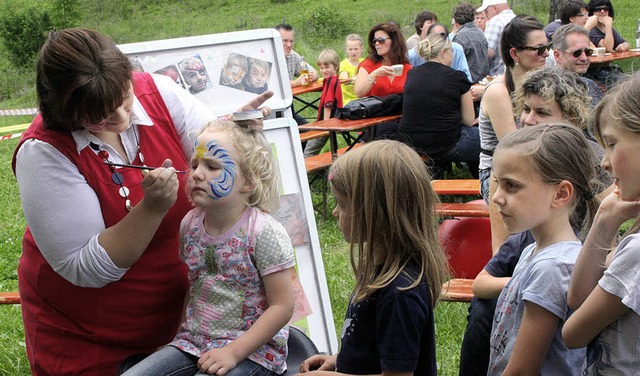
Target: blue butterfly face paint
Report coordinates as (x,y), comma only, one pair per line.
(222,185)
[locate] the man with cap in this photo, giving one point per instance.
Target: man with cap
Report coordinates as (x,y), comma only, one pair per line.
(499,15)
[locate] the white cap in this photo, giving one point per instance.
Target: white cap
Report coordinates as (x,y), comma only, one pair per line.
(488,3)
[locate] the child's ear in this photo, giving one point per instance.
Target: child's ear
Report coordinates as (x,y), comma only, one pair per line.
(248,187)
(564,194)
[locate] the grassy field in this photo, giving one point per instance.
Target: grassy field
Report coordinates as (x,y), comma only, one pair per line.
(318,25)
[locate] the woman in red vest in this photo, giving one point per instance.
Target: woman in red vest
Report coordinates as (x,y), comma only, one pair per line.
(100,277)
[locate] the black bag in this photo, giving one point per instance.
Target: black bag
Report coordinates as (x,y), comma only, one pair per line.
(369,107)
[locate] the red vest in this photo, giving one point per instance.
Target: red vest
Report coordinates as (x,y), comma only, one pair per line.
(73,330)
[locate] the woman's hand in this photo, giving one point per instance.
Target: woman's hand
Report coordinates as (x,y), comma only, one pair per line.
(319,362)
(255,104)
(622,47)
(382,71)
(160,187)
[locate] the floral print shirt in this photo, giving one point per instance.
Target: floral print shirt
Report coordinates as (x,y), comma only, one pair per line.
(227,294)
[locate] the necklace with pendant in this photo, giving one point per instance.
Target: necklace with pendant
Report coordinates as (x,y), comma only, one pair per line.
(117,177)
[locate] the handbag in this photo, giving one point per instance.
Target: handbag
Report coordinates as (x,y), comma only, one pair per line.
(369,107)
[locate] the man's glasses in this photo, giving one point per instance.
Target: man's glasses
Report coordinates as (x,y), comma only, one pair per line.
(578,53)
(601,8)
(380,40)
(539,50)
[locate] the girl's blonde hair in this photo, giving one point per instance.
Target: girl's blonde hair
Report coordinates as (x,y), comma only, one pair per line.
(621,106)
(393,222)
(355,37)
(561,86)
(431,46)
(560,152)
(256,163)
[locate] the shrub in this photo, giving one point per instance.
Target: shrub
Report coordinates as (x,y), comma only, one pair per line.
(23,32)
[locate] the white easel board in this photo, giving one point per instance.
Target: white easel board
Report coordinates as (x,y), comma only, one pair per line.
(216,52)
(296,211)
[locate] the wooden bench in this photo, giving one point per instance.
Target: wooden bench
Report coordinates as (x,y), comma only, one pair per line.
(12,297)
(310,135)
(462,209)
(456,186)
(319,163)
(457,290)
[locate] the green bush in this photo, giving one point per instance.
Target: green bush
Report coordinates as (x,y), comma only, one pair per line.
(23,32)
(325,23)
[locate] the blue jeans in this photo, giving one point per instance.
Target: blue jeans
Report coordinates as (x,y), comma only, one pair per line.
(484,184)
(169,361)
(475,349)
(467,150)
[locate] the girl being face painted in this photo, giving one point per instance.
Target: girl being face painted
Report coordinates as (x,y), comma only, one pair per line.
(215,177)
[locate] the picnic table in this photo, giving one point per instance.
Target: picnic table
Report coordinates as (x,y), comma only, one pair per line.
(610,57)
(344,126)
(315,86)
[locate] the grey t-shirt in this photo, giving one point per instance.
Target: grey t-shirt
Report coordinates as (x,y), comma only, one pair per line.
(543,279)
(616,350)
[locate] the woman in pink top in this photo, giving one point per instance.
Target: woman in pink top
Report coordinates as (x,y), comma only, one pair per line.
(386,48)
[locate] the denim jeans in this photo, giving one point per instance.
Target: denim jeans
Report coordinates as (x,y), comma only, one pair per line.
(169,361)
(467,150)
(475,349)
(484,184)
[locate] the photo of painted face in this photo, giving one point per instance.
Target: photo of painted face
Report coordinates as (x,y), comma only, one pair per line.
(170,71)
(195,74)
(234,71)
(257,80)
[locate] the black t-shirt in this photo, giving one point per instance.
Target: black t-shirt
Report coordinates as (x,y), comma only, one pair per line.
(431,117)
(393,330)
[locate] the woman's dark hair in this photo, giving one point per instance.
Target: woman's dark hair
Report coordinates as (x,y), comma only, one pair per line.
(398,50)
(571,8)
(446,29)
(593,4)
(421,18)
(81,78)
(516,35)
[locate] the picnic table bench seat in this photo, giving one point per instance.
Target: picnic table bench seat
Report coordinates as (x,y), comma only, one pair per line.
(11,297)
(457,290)
(462,209)
(310,135)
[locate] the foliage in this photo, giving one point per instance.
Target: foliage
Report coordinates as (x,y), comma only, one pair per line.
(65,13)
(23,32)
(324,22)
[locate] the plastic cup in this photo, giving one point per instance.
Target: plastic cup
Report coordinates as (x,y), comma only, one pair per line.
(397,69)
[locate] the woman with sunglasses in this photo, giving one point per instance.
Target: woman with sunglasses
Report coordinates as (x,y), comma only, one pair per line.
(524,47)
(437,110)
(603,34)
(387,47)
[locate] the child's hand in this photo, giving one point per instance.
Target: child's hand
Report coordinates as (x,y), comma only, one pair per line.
(618,210)
(319,362)
(161,187)
(217,361)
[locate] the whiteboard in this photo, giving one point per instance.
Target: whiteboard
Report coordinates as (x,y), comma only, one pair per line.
(220,56)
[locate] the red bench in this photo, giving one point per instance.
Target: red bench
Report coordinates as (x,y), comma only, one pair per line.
(12,297)
(462,209)
(310,135)
(457,290)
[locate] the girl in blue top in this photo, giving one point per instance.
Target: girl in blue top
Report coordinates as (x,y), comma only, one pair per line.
(384,207)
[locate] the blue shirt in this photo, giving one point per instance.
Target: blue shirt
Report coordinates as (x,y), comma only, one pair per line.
(459,60)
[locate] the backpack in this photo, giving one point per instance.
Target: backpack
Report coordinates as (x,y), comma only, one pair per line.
(369,107)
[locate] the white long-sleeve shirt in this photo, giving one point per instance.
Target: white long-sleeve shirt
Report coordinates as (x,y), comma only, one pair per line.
(63,211)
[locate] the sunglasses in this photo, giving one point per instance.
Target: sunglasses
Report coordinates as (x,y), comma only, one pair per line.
(539,50)
(578,53)
(380,40)
(601,8)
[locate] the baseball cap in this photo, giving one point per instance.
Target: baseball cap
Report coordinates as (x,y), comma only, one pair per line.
(488,3)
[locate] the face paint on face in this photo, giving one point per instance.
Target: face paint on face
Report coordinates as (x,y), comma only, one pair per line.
(220,170)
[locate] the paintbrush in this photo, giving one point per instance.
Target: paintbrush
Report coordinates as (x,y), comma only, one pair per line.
(137,167)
